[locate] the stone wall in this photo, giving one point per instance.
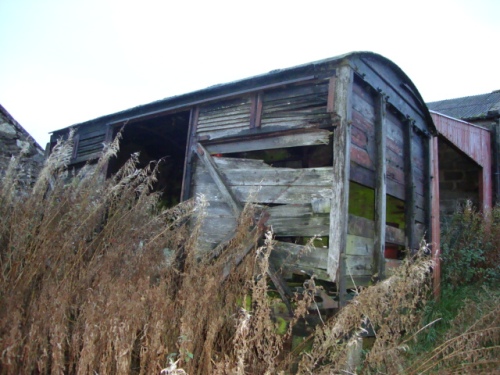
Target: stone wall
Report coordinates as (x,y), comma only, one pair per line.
(15,141)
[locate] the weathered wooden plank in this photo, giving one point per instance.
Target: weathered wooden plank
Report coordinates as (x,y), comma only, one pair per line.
(239,163)
(291,258)
(358,245)
(91,132)
(358,265)
(340,185)
(312,103)
(250,241)
(380,187)
(307,138)
(280,194)
(359,137)
(275,126)
(290,210)
(395,236)
(363,91)
(409,185)
(362,227)
(330,103)
(214,231)
(253,110)
(281,286)
(224,122)
(300,226)
(301,259)
(296,91)
(188,161)
(293,122)
(395,188)
(256,190)
(360,156)
(225,104)
(258,110)
(212,168)
(320,177)
(362,175)
(364,108)
(362,123)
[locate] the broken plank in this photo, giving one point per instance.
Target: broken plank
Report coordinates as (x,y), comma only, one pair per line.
(281,286)
(247,244)
(300,259)
(300,226)
(308,138)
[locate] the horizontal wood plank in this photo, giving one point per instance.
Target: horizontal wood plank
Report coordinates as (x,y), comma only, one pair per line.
(310,138)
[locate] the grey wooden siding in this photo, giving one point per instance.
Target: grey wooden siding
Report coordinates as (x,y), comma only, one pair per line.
(224,118)
(297,107)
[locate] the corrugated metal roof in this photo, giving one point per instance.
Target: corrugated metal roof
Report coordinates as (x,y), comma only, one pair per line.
(469,107)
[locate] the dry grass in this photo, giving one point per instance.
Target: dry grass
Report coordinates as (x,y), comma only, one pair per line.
(94,279)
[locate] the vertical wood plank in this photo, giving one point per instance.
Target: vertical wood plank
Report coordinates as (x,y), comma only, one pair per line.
(427,146)
(258,110)
(340,186)
(435,225)
(330,103)
(409,185)
(253,110)
(188,159)
(380,186)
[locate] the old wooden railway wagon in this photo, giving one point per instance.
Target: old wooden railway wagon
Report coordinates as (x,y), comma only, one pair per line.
(338,149)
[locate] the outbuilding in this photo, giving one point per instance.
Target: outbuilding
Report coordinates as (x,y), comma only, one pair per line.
(338,149)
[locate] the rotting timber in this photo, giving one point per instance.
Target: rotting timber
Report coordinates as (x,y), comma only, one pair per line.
(336,152)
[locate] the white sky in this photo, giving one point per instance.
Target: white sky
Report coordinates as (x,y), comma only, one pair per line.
(67,61)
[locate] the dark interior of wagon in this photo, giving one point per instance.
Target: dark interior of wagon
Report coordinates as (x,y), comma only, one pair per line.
(163,140)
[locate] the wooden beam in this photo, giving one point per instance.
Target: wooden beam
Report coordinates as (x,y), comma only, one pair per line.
(380,187)
(250,241)
(340,185)
(214,172)
(330,103)
(258,110)
(409,185)
(188,159)
(435,224)
(281,286)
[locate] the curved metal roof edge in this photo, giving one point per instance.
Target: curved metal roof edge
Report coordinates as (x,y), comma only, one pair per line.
(263,76)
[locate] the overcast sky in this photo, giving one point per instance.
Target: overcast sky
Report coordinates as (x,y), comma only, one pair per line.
(66,61)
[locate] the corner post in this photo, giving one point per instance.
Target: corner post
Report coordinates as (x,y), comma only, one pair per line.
(340,186)
(380,186)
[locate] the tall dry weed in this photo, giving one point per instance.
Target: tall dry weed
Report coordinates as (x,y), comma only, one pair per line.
(389,308)
(95,279)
